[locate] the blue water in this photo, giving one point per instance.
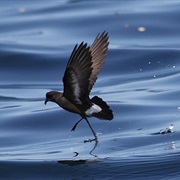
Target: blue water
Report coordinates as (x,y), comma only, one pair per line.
(140,81)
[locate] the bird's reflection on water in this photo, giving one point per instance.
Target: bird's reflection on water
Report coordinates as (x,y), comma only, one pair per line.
(81,161)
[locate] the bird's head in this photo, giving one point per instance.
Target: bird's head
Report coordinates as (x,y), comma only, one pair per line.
(51,96)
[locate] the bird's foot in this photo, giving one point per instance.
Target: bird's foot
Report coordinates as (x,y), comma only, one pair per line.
(91,140)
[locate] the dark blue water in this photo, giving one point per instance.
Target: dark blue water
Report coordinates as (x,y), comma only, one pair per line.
(140,81)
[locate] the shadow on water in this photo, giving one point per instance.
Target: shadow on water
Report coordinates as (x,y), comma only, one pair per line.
(78,162)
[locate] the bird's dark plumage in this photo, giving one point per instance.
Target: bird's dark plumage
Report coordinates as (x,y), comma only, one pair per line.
(80,75)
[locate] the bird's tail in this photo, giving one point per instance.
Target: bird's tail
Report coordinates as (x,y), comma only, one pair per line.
(106,113)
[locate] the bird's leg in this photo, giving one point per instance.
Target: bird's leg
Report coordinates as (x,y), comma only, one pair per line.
(95,135)
(74,127)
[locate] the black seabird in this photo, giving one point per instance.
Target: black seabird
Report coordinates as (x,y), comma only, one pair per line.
(80,75)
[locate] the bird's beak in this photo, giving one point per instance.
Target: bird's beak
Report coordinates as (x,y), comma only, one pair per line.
(45,102)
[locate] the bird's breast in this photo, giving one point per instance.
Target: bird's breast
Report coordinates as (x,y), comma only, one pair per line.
(68,105)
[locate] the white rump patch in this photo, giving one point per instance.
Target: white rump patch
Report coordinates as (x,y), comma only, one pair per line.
(93,109)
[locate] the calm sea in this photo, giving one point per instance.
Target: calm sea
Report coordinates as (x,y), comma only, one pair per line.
(140,81)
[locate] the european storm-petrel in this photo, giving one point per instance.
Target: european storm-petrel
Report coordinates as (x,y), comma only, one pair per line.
(80,75)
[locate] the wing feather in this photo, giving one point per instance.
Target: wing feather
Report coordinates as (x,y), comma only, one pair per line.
(98,52)
(77,74)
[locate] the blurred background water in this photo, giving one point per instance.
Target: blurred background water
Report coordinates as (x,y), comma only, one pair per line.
(140,81)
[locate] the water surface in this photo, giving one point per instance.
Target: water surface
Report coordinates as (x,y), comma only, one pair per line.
(140,81)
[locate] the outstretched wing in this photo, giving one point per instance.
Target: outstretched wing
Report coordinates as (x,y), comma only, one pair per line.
(98,52)
(77,74)
(82,69)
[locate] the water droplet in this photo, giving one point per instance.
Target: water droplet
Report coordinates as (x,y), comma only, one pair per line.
(141,29)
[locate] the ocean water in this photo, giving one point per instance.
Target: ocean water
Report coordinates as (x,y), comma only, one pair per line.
(140,81)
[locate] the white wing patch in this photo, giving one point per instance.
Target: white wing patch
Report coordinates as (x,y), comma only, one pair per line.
(76,89)
(93,109)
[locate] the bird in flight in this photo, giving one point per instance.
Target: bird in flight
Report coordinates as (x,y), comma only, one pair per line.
(80,75)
